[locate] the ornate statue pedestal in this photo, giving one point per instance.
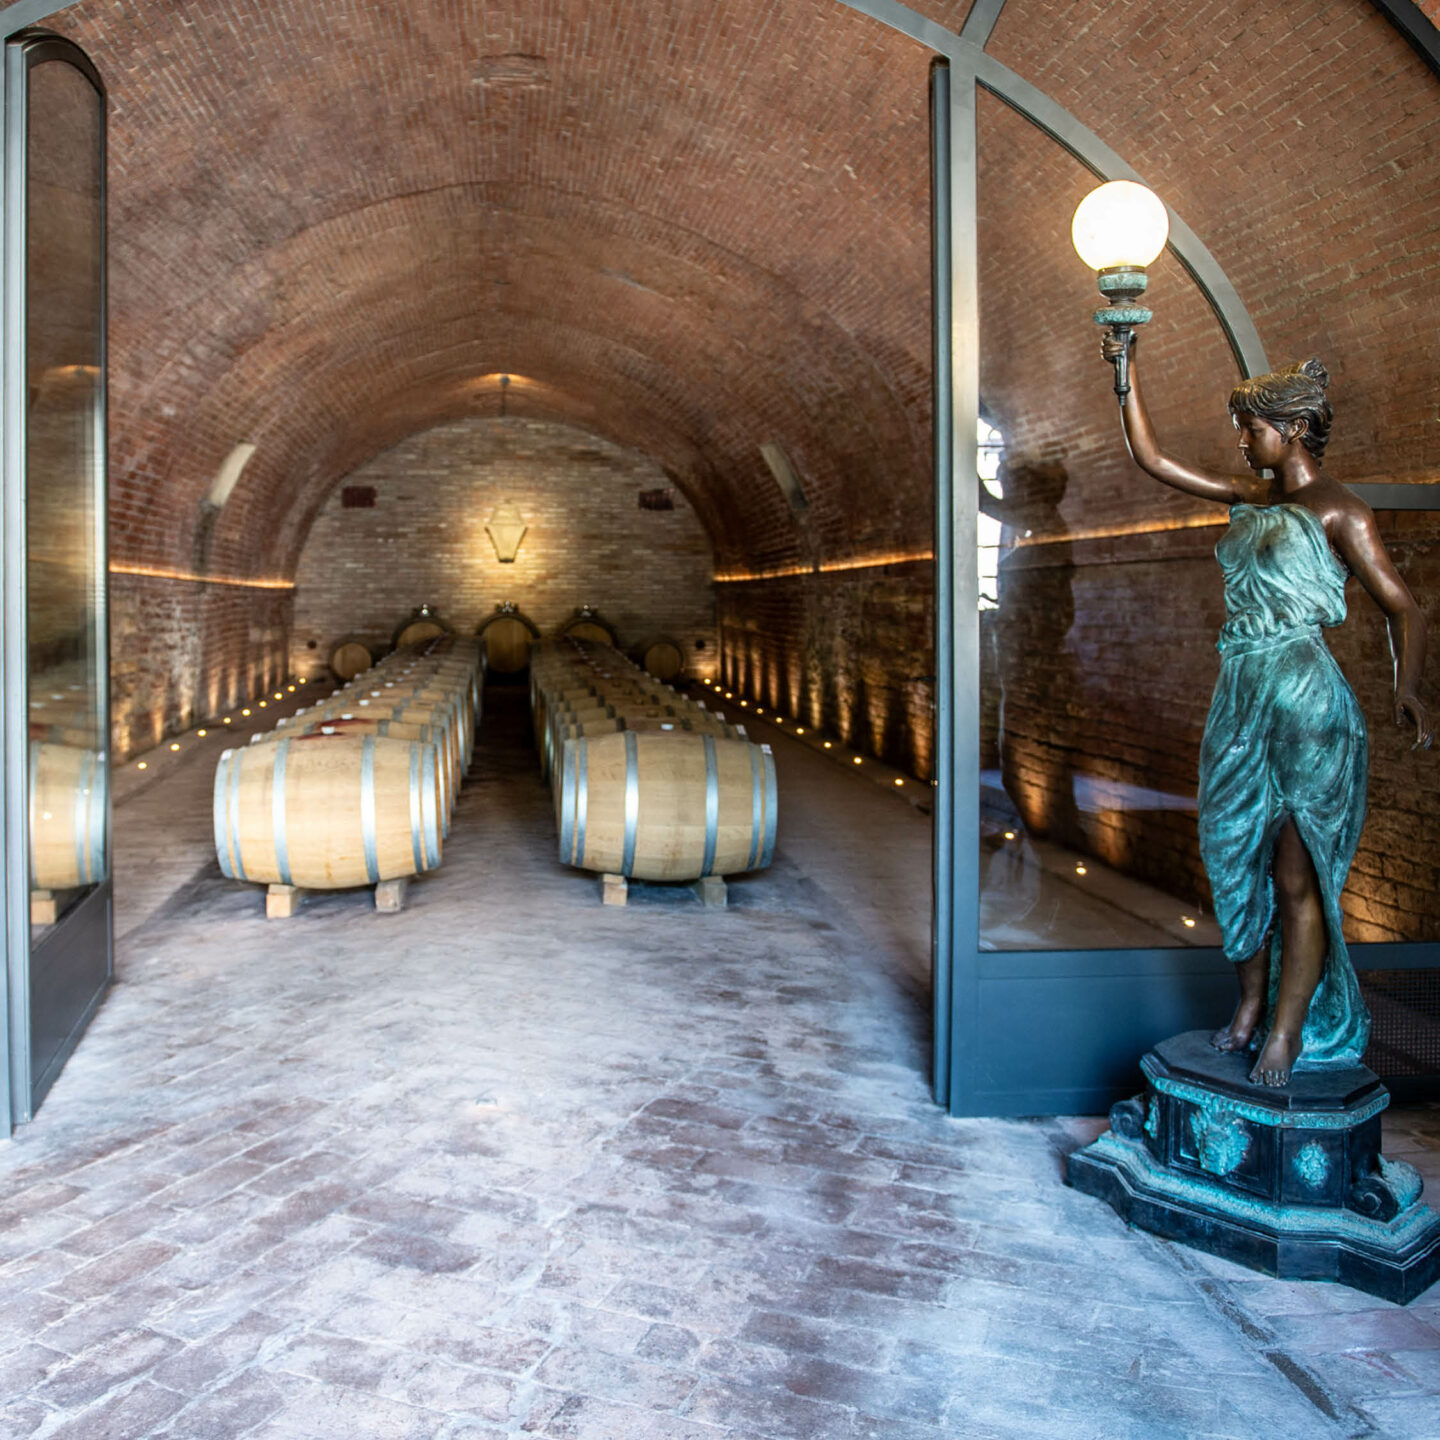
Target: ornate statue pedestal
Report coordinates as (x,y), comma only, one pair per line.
(1290,1182)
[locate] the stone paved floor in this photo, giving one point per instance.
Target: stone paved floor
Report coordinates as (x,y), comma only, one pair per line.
(510,1163)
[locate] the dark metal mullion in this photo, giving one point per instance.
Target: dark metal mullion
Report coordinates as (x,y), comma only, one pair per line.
(964,697)
(942,934)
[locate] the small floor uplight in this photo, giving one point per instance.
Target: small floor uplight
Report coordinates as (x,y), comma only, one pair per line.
(728,695)
(1009,834)
(174,744)
(244,712)
(1187,922)
(758,710)
(856,760)
(279,695)
(200,733)
(142,766)
(1080,870)
(264,703)
(827,744)
(290,688)
(225,721)
(898,780)
(799,730)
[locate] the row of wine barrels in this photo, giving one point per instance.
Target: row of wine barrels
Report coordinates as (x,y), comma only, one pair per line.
(506,638)
(647,783)
(358,788)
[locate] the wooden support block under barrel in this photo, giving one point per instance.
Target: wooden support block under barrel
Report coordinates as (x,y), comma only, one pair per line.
(282,901)
(44,907)
(390,895)
(614,890)
(712,891)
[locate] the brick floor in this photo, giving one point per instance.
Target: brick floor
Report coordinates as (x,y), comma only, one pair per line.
(511,1163)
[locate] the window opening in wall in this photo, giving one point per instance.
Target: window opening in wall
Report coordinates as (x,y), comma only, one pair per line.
(661,499)
(989,452)
(357,497)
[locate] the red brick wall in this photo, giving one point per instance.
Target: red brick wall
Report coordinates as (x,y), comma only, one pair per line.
(647,572)
(847,652)
(182,653)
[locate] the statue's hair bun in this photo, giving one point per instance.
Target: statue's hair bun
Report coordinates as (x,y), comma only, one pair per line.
(1314,369)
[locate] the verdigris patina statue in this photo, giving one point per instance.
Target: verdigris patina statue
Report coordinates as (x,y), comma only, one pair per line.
(1284,757)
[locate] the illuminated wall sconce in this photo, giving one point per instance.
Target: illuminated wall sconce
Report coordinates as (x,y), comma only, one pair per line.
(506,527)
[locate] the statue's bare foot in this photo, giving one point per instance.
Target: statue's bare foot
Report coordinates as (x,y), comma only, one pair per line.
(1276,1060)
(1238,1034)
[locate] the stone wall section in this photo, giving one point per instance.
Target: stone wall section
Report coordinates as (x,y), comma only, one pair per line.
(587,542)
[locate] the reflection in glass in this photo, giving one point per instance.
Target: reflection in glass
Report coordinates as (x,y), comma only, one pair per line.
(64,338)
(1098,655)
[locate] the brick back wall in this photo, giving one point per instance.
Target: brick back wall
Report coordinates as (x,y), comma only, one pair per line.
(588,542)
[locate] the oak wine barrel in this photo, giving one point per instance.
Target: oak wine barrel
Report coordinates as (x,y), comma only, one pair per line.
(68,797)
(664,659)
(328,811)
(666,806)
(350,658)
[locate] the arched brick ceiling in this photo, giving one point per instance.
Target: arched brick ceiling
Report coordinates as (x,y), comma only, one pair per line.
(695,226)
(692,226)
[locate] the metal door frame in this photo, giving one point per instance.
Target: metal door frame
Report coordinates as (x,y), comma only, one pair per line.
(20,1087)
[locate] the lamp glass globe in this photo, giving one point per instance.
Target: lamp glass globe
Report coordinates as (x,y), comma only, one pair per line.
(1120,223)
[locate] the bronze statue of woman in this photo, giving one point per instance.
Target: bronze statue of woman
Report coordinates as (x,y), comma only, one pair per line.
(1284,758)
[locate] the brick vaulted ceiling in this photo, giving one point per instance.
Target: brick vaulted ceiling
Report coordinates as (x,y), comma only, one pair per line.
(697,225)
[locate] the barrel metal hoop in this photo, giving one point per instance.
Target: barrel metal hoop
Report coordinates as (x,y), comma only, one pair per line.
(757,815)
(217,810)
(415,854)
(632,802)
(99,816)
(712,805)
(367,809)
(80,820)
(567,804)
(772,809)
(233,809)
(431,801)
(277,792)
(582,798)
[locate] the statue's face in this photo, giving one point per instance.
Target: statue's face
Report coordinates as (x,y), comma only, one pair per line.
(1262,444)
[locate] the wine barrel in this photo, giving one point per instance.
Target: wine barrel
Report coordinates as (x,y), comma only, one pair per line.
(350,658)
(418,630)
(327,811)
(507,639)
(432,734)
(664,659)
(68,799)
(666,806)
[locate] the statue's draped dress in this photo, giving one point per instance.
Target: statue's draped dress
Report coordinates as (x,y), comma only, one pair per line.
(1285,740)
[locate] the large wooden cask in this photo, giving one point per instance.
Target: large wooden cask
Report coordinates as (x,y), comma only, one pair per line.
(350,658)
(507,640)
(666,806)
(664,658)
(327,811)
(68,799)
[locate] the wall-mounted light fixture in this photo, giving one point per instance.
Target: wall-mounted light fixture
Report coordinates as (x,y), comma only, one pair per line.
(1119,228)
(506,527)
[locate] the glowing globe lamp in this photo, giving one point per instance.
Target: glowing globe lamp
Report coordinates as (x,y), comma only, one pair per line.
(1120,228)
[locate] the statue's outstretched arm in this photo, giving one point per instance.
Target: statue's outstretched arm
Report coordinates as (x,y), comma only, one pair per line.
(1145,450)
